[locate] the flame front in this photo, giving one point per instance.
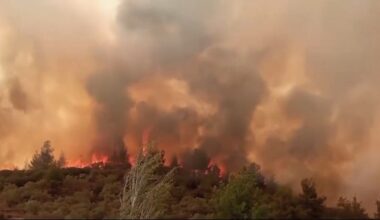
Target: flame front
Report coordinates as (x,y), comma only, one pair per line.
(95,160)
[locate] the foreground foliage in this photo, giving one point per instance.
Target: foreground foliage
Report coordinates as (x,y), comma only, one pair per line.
(146,193)
(152,190)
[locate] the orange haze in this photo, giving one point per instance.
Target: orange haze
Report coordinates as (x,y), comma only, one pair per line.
(291,85)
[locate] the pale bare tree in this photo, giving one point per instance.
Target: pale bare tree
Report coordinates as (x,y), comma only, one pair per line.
(145,192)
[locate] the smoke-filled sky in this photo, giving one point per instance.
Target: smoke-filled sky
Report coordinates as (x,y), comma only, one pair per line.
(291,85)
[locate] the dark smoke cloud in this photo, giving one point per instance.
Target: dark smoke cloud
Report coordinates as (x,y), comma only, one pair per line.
(196,159)
(235,88)
(173,31)
(109,92)
(177,35)
(174,131)
(165,32)
(310,139)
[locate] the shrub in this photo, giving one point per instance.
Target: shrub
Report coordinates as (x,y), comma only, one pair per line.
(32,206)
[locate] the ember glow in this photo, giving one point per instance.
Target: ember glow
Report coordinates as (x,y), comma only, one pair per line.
(95,160)
(290,85)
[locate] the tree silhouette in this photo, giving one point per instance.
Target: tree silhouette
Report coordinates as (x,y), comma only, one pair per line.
(310,201)
(44,158)
(351,209)
(61,162)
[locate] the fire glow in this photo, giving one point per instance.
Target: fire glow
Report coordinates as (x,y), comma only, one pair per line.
(96,159)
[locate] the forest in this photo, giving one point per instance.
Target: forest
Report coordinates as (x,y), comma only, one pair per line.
(47,188)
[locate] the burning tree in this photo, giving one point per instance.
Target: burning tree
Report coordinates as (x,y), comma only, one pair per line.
(145,192)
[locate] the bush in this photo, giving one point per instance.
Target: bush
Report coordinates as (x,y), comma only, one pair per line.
(10,195)
(32,206)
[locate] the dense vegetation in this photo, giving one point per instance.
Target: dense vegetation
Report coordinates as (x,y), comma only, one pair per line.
(49,190)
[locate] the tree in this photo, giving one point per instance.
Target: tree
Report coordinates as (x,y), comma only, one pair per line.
(44,158)
(235,200)
(61,162)
(309,200)
(145,193)
(351,209)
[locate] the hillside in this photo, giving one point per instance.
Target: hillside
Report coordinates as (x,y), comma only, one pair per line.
(95,192)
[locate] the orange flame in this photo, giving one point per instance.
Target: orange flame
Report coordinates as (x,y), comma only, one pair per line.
(132,160)
(221,166)
(99,159)
(95,159)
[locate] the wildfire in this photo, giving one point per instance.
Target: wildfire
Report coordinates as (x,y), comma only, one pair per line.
(95,159)
(220,166)
(99,159)
(132,160)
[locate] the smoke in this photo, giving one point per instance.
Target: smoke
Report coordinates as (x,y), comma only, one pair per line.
(291,85)
(47,51)
(110,115)
(18,97)
(196,160)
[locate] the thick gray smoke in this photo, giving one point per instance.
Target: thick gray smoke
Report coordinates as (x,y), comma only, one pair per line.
(109,91)
(176,36)
(185,41)
(239,62)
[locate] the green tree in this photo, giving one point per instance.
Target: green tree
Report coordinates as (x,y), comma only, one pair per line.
(283,204)
(44,158)
(145,193)
(311,203)
(235,200)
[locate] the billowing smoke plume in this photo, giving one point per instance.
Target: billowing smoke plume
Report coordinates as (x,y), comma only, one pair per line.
(291,85)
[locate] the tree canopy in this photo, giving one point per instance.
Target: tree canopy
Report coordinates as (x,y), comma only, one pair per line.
(150,189)
(44,158)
